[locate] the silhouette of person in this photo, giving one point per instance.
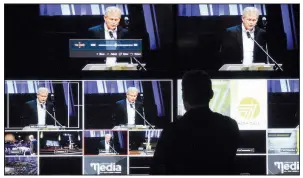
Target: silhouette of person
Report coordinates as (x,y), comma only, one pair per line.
(201,142)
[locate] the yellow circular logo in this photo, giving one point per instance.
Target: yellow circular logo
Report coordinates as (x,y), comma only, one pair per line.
(249,108)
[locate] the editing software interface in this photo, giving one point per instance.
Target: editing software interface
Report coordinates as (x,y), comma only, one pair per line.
(95,87)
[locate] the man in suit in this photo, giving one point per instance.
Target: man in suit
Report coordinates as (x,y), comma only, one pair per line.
(208,140)
(107,144)
(35,110)
(237,48)
(125,110)
(110,30)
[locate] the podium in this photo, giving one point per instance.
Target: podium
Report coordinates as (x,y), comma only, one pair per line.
(131,127)
(251,67)
(43,127)
(104,152)
(117,66)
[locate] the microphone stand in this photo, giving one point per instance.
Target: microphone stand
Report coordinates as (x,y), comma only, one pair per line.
(276,64)
(113,149)
(51,116)
(265,28)
(143,117)
(141,66)
(54,110)
(142,98)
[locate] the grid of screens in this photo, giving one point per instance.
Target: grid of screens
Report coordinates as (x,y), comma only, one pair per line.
(91,136)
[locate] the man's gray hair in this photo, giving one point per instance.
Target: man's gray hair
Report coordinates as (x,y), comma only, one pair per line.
(112,9)
(132,89)
(108,135)
(251,10)
(42,90)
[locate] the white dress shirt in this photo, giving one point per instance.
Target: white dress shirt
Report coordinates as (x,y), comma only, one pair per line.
(110,60)
(41,113)
(248,46)
(131,113)
(107,148)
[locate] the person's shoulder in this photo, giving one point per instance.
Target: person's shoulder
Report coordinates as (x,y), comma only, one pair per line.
(49,103)
(95,28)
(226,119)
(123,30)
(170,128)
(139,102)
(233,28)
(120,101)
(31,102)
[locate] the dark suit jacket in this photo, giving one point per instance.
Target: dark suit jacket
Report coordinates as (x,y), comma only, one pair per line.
(120,113)
(232,46)
(97,32)
(30,113)
(202,142)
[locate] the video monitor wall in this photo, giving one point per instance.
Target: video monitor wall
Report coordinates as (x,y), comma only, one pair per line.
(89,93)
(122,121)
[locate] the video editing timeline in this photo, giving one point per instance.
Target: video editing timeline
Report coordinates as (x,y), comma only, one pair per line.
(105,48)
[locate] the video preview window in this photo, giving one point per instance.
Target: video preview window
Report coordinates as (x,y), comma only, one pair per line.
(105,142)
(24,165)
(142,32)
(127,104)
(238,99)
(60,143)
(20,143)
(215,40)
(43,105)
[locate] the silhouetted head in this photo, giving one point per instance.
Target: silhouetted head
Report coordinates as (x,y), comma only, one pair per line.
(196,89)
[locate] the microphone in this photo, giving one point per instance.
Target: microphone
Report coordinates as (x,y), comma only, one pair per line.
(264,22)
(50,115)
(248,34)
(111,34)
(142,100)
(126,21)
(52,97)
(276,64)
(132,106)
(53,101)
